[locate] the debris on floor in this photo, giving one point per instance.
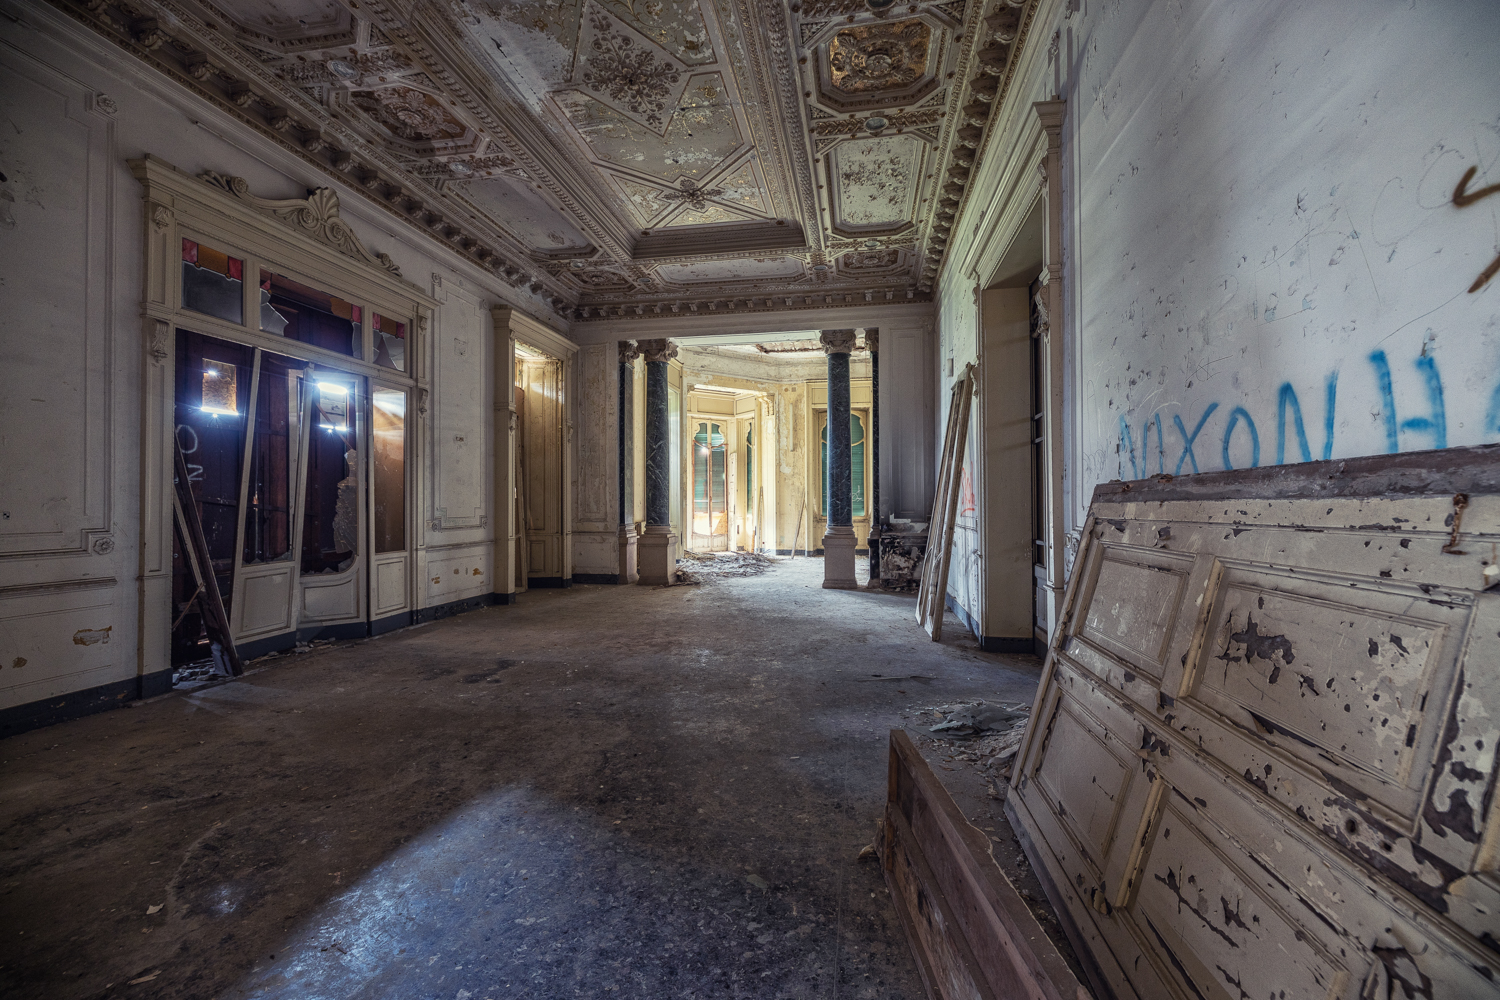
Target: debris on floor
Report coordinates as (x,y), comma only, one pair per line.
(702,567)
(903,546)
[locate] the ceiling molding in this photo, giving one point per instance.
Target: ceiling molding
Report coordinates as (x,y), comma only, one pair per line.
(623,158)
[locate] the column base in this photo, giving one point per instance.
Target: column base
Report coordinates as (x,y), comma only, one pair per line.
(657,557)
(838,558)
(629,571)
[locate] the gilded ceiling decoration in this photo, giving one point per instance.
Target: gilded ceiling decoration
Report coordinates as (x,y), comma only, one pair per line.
(876,57)
(620,158)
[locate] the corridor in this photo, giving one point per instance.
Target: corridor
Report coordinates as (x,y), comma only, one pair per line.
(598,792)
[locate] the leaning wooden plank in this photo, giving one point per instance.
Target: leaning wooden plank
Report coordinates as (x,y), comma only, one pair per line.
(950,514)
(934,528)
(973,934)
(217,620)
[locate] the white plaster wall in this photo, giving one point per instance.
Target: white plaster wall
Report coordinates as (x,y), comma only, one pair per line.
(1264,224)
(1257,218)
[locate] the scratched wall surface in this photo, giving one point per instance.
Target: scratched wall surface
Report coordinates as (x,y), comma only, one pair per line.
(1271,264)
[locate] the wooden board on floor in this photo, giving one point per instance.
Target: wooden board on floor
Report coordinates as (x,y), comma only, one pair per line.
(973,935)
(1262,760)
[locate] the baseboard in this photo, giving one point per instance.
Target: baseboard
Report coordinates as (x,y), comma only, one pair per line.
(613,578)
(1007,644)
(268,644)
(448,610)
(543,582)
(76,704)
(390,623)
(339,631)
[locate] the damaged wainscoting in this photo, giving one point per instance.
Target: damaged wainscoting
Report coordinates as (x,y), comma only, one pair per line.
(974,937)
(1262,758)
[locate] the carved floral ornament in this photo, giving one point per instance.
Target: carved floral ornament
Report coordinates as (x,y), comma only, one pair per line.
(410,114)
(630,74)
(317,216)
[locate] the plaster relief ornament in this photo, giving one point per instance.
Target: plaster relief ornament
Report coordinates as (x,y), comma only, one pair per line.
(317,215)
(692,194)
(410,114)
(874,57)
(632,77)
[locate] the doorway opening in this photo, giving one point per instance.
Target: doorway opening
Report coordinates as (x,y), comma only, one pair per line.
(541,501)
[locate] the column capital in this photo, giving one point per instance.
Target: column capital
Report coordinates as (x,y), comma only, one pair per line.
(837,341)
(872,339)
(657,350)
(628,351)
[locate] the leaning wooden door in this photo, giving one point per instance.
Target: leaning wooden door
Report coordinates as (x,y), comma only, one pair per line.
(1263,761)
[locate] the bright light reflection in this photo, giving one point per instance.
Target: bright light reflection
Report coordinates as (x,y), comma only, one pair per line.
(333,388)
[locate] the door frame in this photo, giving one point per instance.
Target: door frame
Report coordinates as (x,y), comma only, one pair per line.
(304,239)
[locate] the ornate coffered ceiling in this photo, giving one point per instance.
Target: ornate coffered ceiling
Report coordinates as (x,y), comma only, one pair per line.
(623,157)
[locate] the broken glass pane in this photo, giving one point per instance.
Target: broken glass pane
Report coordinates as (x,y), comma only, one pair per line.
(212,282)
(390,469)
(301,312)
(390,343)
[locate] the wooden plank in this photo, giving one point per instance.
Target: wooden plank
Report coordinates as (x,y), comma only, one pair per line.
(216,620)
(973,935)
(950,515)
(939,505)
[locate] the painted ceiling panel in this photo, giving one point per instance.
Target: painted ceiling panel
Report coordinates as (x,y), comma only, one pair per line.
(695,142)
(834,134)
(874,181)
(513,202)
(751,269)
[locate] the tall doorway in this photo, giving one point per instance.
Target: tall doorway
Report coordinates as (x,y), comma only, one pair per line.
(541,527)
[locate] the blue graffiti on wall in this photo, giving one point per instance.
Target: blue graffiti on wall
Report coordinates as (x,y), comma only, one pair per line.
(1433,427)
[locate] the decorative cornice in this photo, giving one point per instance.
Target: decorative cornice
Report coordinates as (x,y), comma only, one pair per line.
(208,66)
(317,215)
(737,305)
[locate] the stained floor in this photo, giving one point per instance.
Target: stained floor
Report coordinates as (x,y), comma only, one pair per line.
(599,792)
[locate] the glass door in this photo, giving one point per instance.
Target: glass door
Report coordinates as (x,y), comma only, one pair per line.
(390,588)
(333,500)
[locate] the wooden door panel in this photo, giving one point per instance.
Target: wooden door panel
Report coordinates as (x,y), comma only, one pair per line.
(1194,902)
(1134,602)
(1263,762)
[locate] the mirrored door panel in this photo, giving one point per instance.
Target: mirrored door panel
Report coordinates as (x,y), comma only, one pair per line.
(390,589)
(332,570)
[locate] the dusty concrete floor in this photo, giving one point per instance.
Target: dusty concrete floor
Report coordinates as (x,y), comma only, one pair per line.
(600,792)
